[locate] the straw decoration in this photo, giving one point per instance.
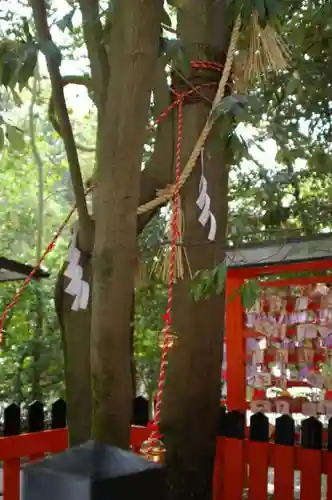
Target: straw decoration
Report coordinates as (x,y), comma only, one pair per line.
(266,52)
(161,265)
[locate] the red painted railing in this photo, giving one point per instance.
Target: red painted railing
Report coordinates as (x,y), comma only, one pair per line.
(239,464)
(34,446)
(31,446)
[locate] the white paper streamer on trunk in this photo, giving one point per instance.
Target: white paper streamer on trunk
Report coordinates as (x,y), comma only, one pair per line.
(77,287)
(203,202)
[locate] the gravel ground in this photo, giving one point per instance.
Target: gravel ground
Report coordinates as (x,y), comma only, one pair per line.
(297,484)
(245,494)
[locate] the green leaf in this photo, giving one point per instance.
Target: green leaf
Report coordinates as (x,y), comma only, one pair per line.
(178,4)
(2,138)
(166,18)
(205,283)
(196,292)
(253,103)
(183,62)
(170,46)
(195,289)
(15,137)
(17,100)
(66,22)
(222,108)
(26,30)
(51,51)
(8,65)
(245,8)
(240,112)
(249,293)
(221,278)
(235,104)
(273,8)
(26,69)
(240,146)
(293,84)
(175,52)
(261,10)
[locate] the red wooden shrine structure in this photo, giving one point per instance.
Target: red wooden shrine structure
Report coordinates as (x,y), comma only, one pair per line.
(295,263)
(264,264)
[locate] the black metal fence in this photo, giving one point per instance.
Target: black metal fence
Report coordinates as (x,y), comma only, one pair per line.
(37,417)
(311,435)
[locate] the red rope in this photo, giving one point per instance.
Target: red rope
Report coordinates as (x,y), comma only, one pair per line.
(29,278)
(167,330)
(174,234)
(26,282)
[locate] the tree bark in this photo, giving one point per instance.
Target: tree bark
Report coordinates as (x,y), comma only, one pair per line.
(76,325)
(192,392)
(75,333)
(133,55)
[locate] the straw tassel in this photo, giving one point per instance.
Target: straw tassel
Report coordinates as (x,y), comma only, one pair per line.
(161,265)
(266,52)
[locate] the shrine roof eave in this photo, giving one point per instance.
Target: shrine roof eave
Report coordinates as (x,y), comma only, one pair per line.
(11,270)
(285,256)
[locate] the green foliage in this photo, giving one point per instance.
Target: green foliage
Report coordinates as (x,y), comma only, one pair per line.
(176,55)
(267,10)
(235,104)
(250,291)
(15,137)
(18,60)
(177,4)
(207,282)
(31,359)
(150,307)
(166,20)
(66,22)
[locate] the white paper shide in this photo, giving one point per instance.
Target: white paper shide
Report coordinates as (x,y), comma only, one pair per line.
(77,287)
(204,202)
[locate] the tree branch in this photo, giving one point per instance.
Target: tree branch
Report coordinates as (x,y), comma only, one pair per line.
(158,172)
(93,36)
(68,80)
(53,59)
(39,165)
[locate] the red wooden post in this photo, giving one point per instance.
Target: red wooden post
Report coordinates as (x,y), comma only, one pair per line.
(11,479)
(258,470)
(310,467)
(236,347)
(328,470)
(284,465)
(233,476)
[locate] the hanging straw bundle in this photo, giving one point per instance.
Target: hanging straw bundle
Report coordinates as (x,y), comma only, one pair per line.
(266,52)
(161,265)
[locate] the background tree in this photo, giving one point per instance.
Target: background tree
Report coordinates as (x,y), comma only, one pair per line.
(31,355)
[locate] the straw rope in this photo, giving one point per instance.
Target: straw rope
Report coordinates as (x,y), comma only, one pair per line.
(166,194)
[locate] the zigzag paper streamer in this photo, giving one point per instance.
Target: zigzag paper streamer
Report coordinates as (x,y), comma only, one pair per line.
(77,287)
(203,202)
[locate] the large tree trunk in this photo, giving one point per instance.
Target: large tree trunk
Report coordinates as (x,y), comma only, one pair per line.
(192,392)
(75,333)
(133,55)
